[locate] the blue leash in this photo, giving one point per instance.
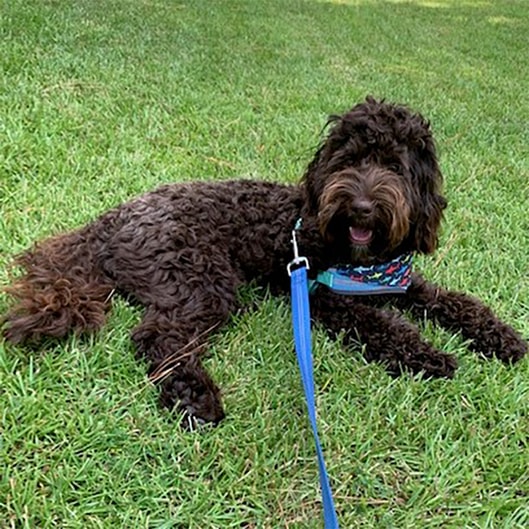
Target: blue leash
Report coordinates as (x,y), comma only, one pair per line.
(297,270)
(391,277)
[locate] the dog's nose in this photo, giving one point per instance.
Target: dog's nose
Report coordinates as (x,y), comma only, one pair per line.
(363,207)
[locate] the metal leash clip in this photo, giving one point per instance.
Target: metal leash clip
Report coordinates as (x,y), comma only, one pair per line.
(297,261)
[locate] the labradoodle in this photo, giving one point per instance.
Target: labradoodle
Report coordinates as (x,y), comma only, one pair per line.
(371,193)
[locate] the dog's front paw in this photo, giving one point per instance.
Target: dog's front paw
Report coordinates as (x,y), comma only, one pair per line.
(438,365)
(501,341)
(421,358)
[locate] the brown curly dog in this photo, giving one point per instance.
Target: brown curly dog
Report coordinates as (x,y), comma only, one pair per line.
(371,193)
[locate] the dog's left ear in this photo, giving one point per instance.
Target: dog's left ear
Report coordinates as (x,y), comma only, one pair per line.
(430,203)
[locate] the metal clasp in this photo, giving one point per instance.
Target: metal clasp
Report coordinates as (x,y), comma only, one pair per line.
(297,261)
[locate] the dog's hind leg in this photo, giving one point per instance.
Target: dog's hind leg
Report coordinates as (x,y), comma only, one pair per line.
(385,336)
(61,290)
(459,312)
(173,334)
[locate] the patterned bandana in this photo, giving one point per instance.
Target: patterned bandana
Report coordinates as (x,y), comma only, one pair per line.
(392,277)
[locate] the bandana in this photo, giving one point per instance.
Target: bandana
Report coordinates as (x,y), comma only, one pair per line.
(393,277)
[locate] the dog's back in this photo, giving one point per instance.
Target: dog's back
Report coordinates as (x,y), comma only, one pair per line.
(69,279)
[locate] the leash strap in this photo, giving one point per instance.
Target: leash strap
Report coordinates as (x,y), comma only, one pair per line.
(391,277)
(302,340)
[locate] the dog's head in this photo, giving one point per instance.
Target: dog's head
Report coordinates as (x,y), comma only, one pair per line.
(375,184)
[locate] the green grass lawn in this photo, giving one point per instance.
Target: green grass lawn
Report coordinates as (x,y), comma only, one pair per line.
(101,100)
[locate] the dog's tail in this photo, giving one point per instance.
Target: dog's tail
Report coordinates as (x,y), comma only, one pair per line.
(60,290)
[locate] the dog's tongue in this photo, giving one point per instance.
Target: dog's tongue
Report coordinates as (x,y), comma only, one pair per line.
(360,235)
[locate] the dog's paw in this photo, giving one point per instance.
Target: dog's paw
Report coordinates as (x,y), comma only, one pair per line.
(439,365)
(193,423)
(197,416)
(192,393)
(423,360)
(500,341)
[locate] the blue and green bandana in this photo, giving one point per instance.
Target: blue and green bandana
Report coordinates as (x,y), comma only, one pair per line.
(393,277)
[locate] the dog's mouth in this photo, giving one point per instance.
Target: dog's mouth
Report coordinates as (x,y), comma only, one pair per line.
(359,236)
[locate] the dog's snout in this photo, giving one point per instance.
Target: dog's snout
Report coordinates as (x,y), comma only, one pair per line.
(363,207)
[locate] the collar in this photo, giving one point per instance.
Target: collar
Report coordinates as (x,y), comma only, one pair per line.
(393,277)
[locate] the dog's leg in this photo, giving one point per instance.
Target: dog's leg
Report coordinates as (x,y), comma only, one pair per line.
(171,338)
(387,337)
(459,312)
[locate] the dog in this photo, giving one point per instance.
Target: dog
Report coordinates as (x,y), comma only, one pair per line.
(372,192)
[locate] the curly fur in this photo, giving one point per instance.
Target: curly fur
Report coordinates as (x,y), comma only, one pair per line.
(372,192)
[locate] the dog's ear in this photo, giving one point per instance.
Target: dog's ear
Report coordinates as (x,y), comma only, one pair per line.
(331,156)
(430,203)
(313,180)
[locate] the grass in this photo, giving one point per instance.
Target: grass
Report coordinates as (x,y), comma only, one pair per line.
(103,100)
